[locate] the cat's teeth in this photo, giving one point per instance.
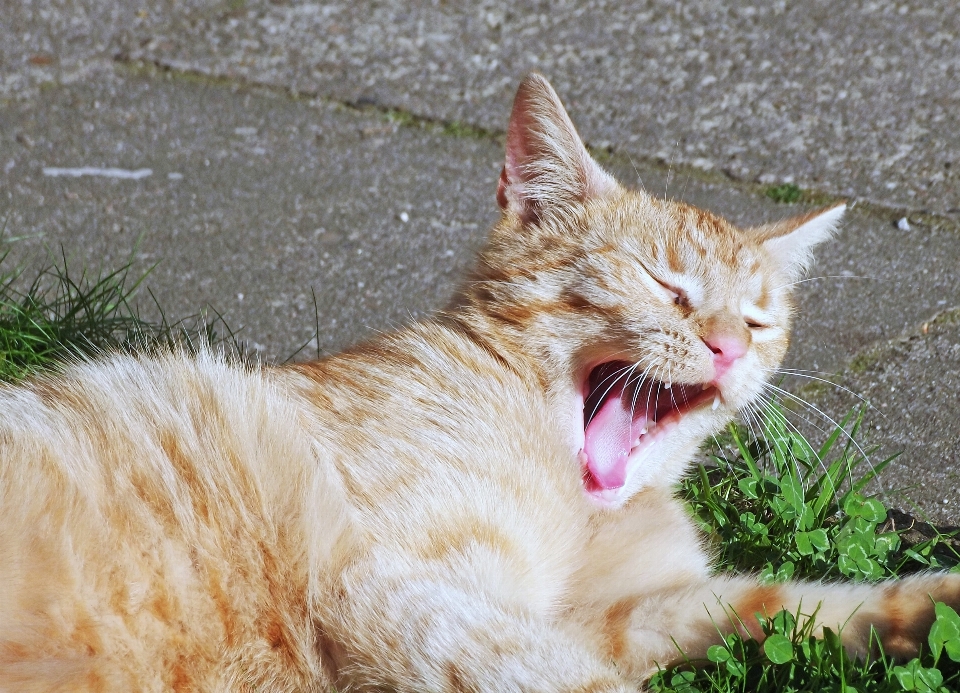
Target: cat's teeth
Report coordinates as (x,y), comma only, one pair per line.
(716,401)
(643,431)
(667,385)
(704,386)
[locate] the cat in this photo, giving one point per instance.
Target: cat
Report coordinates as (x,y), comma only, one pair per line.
(481,501)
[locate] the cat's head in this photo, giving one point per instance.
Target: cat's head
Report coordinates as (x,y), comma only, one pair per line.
(649,322)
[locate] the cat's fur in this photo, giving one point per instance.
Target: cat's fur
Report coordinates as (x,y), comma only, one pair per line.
(426,511)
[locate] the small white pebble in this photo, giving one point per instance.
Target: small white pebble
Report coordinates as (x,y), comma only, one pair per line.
(239,297)
(404,217)
(903,224)
(175,176)
(945,501)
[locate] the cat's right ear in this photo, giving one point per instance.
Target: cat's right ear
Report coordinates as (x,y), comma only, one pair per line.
(547,167)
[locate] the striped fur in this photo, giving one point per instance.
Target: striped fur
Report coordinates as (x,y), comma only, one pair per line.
(416,513)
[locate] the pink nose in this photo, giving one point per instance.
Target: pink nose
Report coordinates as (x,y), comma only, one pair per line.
(726,350)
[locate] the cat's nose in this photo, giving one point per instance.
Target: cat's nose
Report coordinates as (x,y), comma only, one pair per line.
(726,348)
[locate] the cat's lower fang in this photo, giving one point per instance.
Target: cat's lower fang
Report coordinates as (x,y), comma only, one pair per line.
(716,401)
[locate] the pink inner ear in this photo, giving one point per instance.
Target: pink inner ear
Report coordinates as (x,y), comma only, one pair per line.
(546,163)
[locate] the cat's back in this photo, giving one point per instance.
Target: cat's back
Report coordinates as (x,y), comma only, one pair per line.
(155,529)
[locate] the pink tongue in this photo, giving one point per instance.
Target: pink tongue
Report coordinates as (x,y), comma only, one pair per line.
(608,439)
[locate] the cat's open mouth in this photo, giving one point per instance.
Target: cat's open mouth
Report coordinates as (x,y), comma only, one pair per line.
(624,413)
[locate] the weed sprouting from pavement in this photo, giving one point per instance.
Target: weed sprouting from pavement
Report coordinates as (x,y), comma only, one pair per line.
(788,193)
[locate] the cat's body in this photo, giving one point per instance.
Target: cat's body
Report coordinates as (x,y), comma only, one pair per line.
(477,502)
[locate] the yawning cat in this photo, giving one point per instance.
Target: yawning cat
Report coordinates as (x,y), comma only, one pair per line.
(478,502)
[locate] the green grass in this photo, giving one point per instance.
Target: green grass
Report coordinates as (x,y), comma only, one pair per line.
(787,193)
(57,314)
(779,507)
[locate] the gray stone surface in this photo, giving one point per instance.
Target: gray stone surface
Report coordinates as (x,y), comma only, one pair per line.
(911,384)
(251,195)
(859,98)
(261,193)
(49,42)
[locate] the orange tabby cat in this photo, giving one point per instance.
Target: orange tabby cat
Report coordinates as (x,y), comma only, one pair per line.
(478,502)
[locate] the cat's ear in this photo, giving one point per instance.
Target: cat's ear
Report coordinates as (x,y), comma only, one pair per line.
(791,241)
(546,165)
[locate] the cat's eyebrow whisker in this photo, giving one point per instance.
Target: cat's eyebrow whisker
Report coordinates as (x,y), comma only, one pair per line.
(666,185)
(685,183)
(822,276)
(639,177)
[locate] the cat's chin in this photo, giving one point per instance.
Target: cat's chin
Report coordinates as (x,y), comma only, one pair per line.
(626,420)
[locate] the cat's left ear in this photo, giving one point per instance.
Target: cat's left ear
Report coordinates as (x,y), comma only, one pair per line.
(791,241)
(547,167)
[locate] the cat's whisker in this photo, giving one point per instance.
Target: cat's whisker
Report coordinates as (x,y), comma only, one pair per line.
(628,385)
(650,392)
(613,378)
(775,396)
(834,489)
(750,420)
(636,391)
(798,374)
(822,276)
(785,453)
(781,417)
(851,440)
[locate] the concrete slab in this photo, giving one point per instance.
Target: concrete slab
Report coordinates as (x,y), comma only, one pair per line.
(856,98)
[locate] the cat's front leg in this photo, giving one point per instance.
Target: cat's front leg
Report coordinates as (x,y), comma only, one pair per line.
(411,626)
(644,631)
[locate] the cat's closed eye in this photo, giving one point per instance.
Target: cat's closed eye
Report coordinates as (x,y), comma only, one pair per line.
(755,323)
(674,293)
